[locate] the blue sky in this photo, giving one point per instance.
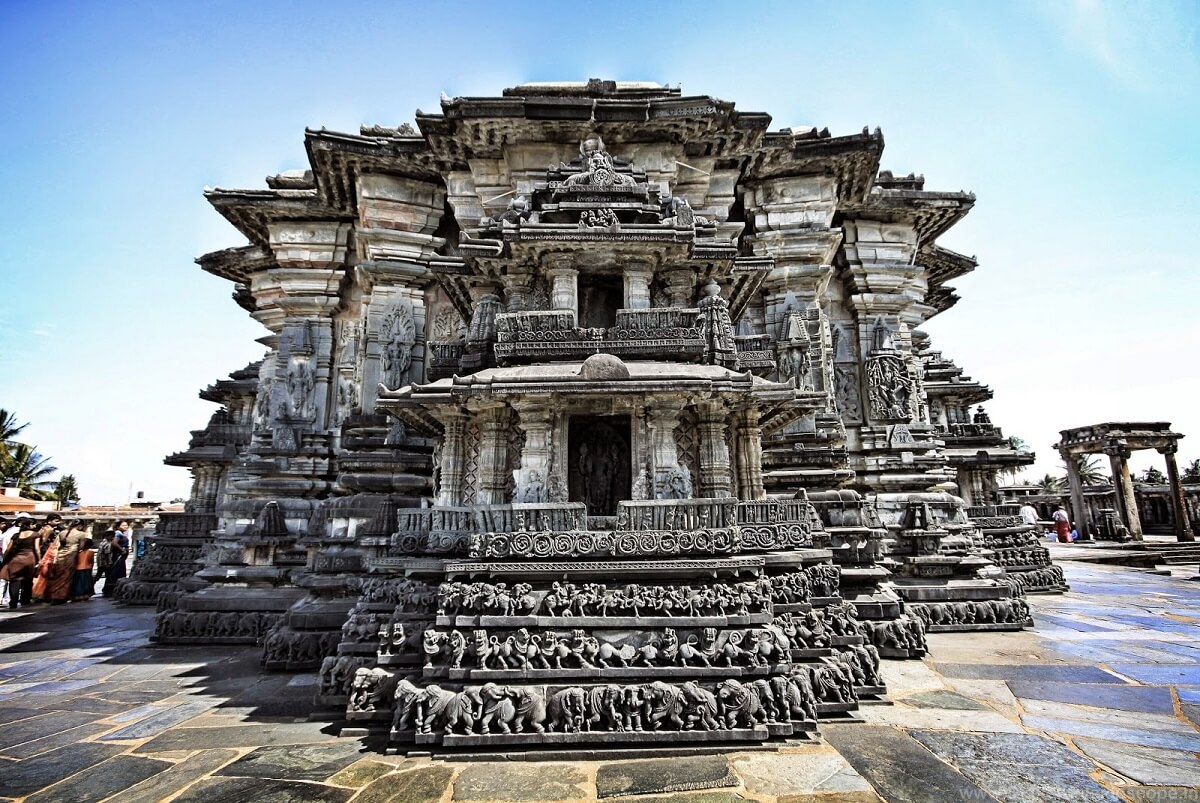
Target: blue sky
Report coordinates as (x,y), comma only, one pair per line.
(1075,123)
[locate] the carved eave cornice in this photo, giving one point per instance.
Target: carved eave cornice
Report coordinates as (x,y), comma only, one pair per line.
(253,211)
(201,454)
(930,214)
(852,160)
(1131,435)
(940,299)
(237,264)
(239,383)
(968,392)
(473,128)
(941,264)
(338,159)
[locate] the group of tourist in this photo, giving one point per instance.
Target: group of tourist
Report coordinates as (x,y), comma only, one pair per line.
(58,561)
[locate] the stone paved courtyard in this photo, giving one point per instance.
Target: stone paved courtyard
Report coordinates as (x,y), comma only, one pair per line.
(1101,701)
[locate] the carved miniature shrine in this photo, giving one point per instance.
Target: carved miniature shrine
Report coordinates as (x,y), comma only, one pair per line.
(592,414)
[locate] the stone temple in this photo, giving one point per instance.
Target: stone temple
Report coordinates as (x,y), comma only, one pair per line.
(592,414)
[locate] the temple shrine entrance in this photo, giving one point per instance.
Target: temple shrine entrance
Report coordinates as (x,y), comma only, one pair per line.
(600,473)
(599,299)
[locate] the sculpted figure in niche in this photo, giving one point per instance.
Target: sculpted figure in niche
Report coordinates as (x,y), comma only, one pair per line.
(301,381)
(597,465)
(890,386)
(398,335)
(598,166)
(347,343)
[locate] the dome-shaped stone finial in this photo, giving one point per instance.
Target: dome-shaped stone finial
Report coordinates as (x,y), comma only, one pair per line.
(603,367)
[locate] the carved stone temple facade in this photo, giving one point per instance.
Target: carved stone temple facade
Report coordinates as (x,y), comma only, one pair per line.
(592,414)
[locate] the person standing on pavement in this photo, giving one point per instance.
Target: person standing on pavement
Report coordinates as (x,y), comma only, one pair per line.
(1062,525)
(1029,515)
(11,528)
(20,563)
(120,553)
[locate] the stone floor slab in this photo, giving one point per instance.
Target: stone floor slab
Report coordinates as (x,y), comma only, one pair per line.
(1161,674)
(26,730)
(98,782)
(1107,716)
(902,715)
(899,768)
(28,776)
(258,790)
(1146,765)
(426,784)
(53,741)
(1018,768)
(808,771)
(254,735)
(1168,739)
(164,784)
(306,762)
(361,773)
(1052,674)
(1124,697)
(156,723)
(654,776)
(939,698)
(520,782)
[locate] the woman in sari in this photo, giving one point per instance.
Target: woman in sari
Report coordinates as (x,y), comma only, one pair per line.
(58,583)
(83,584)
(20,563)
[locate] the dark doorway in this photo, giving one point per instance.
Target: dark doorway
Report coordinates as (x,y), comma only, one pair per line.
(599,299)
(600,474)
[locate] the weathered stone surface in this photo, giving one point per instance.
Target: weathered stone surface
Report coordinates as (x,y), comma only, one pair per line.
(161,721)
(818,770)
(1027,672)
(898,767)
(25,777)
(361,773)
(663,775)
(100,781)
(305,762)
(53,740)
(29,729)
(1147,765)
(420,785)
(240,790)
(943,699)
(1150,699)
(252,735)
(1018,768)
(1169,739)
(164,784)
(1160,794)
(520,782)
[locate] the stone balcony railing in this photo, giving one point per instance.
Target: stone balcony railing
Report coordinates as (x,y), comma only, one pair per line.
(185,525)
(644,333)
(221,435)
(754,353)
(443,358)
(972,432)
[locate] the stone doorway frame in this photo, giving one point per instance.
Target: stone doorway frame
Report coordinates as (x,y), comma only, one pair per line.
(1119,441)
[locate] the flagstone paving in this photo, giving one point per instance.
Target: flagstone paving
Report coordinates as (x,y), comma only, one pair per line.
(1099,702)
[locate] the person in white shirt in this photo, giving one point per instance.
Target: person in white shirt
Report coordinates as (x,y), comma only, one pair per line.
(1029,514)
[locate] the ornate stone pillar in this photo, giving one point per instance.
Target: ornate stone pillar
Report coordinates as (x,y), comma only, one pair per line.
(564,287)
(1183,526)
(716,476)
(661,422)
(536,420)
(748,447)
(493,455)
(680,287)
(452,464)
(1082,523)
(1118,456)
(637,286)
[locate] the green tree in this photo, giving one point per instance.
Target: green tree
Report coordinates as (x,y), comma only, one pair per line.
(1152,476)
(1088,468)
(1050,484)
(9,428)
(66,491)
(1191,472)
(23,467)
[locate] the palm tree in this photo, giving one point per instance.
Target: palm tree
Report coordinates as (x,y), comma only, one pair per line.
(1191,473)
(1152,476)
(1050,484)
(23,467)
(66,491)
(9,428)
(1087,466)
